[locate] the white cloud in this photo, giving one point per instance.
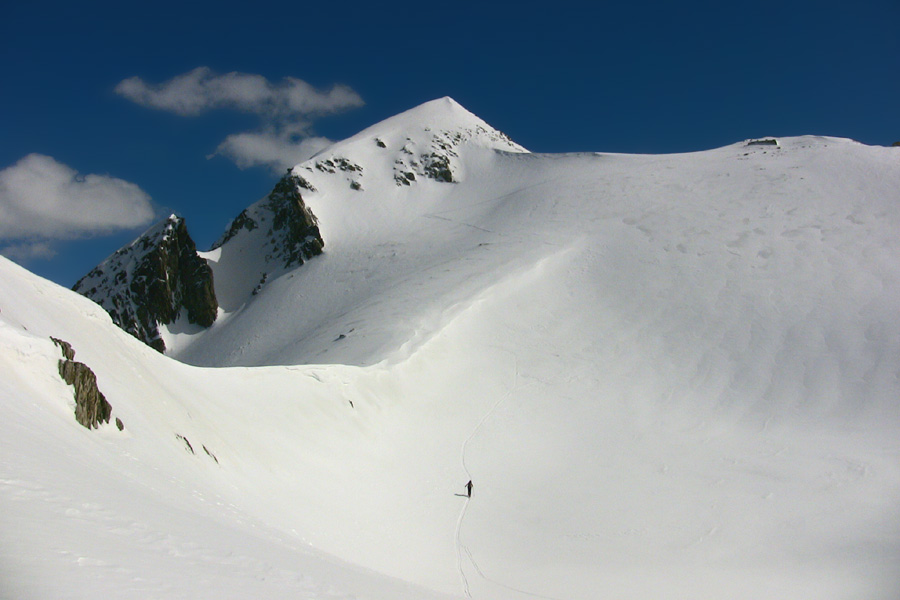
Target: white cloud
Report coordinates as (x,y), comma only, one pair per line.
(286,110)
(300,97)
(42,199)
(201,89)
(270,149)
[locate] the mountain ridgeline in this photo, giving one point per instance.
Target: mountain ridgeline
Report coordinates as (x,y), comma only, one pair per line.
(160,278)
(160,286)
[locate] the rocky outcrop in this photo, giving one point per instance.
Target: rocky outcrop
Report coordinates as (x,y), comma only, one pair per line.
(437,167)
(153,281)
(91,407)
(291,229)
(437,159)
(160,277)
(295,233)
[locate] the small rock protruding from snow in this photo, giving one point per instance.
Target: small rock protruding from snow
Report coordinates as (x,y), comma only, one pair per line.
(91,406)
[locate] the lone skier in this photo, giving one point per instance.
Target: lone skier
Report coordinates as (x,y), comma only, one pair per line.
(469,487)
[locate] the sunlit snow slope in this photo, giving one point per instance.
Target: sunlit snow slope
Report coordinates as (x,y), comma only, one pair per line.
(667,376)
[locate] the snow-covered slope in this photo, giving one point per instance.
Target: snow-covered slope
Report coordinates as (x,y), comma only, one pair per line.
(667,376)
(164,508)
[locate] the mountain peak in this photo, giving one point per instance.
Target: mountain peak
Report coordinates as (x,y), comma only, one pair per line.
(442,114)
(440,111)
(439,141)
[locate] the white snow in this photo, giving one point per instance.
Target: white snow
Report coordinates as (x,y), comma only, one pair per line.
(667,376)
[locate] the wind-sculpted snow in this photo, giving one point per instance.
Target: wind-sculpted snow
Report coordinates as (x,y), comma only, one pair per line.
(667,377)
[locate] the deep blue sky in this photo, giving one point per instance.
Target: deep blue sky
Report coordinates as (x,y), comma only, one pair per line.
(649,77)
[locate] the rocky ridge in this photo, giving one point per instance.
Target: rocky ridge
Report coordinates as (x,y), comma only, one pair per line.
(292,231)
(154,281)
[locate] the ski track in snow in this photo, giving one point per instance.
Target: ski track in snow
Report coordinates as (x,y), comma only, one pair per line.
(462,514)
(459,567)
(460,547)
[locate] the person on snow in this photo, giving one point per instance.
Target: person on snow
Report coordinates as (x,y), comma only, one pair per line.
(469,487)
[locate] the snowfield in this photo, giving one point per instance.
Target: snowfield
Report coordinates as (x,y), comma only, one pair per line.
(668,377)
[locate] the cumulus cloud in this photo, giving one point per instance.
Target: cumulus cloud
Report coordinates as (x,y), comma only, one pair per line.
(42,199)
(286,109)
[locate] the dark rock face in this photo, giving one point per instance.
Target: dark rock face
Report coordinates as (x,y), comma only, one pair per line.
(159,277)
(295,231)
(151,281)
(91,407)
(292,235)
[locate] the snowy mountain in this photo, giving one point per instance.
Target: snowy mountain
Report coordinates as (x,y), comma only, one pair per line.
(280,231)
(667,376)
(160,282)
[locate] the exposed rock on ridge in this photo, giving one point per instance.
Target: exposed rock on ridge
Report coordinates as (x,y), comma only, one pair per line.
(151,281)
(160,277)
(293,233)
